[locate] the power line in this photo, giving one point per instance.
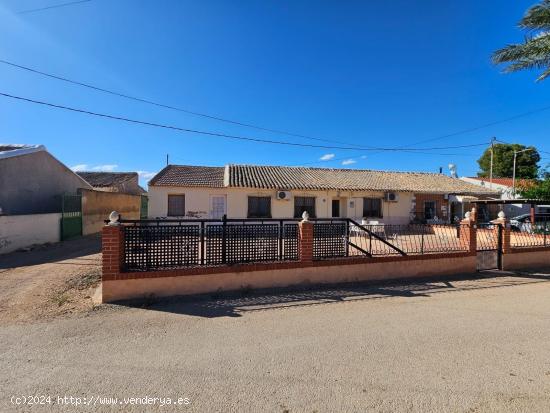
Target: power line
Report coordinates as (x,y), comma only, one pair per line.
(162,105)
(54,6)
(253,126)
(222,135)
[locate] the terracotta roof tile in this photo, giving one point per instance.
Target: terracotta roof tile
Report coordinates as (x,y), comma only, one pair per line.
(283,177)
(190,176)
(280,177)
(106,179)
(507,181)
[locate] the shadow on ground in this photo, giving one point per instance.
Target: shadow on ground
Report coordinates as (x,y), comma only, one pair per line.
(76,249)
(238,303)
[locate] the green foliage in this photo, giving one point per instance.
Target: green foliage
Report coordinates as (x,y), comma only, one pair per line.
(503,162)
(539,191)
(534,52)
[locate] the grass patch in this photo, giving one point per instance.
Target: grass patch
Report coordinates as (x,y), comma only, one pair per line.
(60,298)
(85,280)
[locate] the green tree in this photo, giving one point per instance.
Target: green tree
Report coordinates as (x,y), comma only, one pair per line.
(541,190)
(534,52)
(503,161)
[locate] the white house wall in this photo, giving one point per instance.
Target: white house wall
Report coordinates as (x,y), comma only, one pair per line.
(197,203)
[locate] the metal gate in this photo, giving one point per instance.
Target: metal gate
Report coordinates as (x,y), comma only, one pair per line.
(489,247)
(71,216)
(144,207)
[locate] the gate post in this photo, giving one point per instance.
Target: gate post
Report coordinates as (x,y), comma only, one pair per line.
(504,232)
(112,250)
(468,230)
(306,241)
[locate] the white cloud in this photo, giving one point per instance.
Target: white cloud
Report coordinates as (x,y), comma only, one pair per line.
(105,168)
(349,162)
(145,174)
(327,157)
(363,156)
(80,167)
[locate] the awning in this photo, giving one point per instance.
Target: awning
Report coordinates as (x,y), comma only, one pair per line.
(462,198)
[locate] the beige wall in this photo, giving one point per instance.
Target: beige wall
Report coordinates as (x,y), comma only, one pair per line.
(97,205)
(34,184)
(197,200)
(19,231)
(198,284)
(526,260)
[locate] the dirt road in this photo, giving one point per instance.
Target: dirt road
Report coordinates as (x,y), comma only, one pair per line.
(50,280)
(479,345)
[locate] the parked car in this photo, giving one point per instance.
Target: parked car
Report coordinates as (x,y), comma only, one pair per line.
(521,223)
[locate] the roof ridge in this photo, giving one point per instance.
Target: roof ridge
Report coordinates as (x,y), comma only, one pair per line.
(336,169)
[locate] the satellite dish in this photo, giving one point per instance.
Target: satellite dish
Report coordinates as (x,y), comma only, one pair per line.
(452,168)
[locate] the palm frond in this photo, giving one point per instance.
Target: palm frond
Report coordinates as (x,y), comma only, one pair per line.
(537,17)
(533,48)
(544,75)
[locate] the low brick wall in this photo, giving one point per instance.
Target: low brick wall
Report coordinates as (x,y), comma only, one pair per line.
(234,278)
(526,258)
(120,285)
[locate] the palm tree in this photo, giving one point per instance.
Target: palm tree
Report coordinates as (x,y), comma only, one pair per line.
(534,52)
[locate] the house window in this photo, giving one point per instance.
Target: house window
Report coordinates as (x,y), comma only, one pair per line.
(372,208)
(259,207)
(304,203)
(176,205)
(430,209)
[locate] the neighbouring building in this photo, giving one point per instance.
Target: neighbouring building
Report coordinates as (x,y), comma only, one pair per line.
(32,181)
(249,191)
(505,187)
(42,200)
(122,182)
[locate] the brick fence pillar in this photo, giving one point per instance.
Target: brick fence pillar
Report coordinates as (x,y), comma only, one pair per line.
(506,232)
(306,241)
(468,230)
(112,249)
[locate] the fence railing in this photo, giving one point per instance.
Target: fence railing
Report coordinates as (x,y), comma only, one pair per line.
(165,244)
(349,239)
(169,244)
(530,235)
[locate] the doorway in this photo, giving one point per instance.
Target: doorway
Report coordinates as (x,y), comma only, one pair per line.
(336,208)
(217,206)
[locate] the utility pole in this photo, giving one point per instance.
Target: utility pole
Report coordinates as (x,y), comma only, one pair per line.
(493,139)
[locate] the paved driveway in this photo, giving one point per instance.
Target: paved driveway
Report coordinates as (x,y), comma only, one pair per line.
(460,346)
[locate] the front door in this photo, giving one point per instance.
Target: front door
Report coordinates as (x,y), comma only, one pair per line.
(217,206)
(430,209)
(335,208)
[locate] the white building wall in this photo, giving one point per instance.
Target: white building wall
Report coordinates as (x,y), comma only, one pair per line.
(197,203)
(19,231)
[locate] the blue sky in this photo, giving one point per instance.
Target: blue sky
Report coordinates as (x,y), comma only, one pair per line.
(368,73)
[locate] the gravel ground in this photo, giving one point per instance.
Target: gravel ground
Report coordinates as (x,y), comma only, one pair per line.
(49,281)
(472,345)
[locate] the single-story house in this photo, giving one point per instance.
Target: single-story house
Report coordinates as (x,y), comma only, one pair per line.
(250,191)
(505,186)
(32,180)
(42,200)
(122,182)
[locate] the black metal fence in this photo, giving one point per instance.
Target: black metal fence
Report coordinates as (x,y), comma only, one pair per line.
(526,234)
(489,237)
(349,238)
(165,244)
